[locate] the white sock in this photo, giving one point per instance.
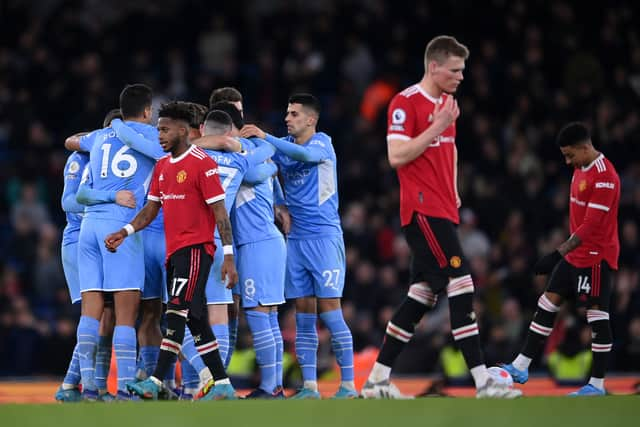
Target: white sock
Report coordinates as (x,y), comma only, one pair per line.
(349,385)
(205,376)
(311,385)
(480,375)
(597,382)
(224,381)
(522,362)
(379,373)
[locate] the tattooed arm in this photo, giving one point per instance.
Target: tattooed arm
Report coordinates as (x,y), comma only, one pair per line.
(571,243)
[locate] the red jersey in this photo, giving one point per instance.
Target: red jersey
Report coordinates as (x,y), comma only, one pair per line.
(186,186)
(593,214)
(427,184)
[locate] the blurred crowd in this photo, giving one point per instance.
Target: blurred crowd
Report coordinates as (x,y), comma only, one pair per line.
(533,67)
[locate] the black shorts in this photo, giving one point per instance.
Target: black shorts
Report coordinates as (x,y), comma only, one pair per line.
(436,254)
(588,287)
(187,274)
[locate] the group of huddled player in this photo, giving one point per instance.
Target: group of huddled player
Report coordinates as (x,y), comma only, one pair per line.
(183,214)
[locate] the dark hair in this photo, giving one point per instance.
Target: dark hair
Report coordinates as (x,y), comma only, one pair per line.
(217,122)
(307,100)
(442,47)
(574,133)
(134,99)
(177,110)
(113,114)
(198,112)
(231,110)
(229,94)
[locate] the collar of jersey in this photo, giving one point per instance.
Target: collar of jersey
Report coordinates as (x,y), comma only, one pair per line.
(181,156)
(429,97)
(586,168)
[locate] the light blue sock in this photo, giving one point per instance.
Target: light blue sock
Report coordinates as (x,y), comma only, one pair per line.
(190,352)
(233,336)
(341,342)
(221,332)
(124,345)
(72,377)
(87,346)
(149,355)
(190,377)
(103,361)
(170,378)
(277,336)
(264,346)
(307,345)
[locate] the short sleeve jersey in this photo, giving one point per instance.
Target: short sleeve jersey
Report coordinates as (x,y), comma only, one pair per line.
(427,183)
(186,186)
(593,214)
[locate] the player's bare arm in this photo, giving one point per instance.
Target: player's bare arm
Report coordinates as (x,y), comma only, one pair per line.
(248,131)
(571,243)
(144,218)
(218,142)
(400,152)
(228,269)
(72,143)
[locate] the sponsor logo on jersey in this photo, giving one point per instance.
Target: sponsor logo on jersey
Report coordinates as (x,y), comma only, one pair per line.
(582,185)
(181,176)
(211,172)
(609,185)
(455,262)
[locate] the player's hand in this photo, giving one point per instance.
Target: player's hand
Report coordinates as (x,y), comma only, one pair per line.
(446,113)
(283,218)
(113,240)
(126,198)
(229,274)
(248,131)
(546,264)
(458,201)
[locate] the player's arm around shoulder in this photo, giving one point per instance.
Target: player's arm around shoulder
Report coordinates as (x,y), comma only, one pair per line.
(403,149)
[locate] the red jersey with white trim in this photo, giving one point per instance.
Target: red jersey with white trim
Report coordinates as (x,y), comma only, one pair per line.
(186,186)
(427,184)
(593,214)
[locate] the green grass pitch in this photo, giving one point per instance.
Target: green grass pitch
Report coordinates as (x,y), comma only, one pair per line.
(460,412)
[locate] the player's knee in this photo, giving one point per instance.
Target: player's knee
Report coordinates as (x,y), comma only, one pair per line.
(422,293)
(460,286)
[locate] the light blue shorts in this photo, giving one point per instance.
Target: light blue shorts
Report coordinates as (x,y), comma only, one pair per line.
(101,270)
(69,255)
(216,290)
(315,268)
(155,271)
(261,271)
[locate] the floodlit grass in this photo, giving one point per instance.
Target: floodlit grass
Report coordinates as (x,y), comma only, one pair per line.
(459,412)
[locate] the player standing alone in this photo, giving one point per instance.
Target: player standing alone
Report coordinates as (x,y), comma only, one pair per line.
(581,267)
(421,138)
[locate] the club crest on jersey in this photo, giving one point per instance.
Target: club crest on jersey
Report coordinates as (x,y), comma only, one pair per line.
(74,167)
(583,185)
(181,176)
(455,262)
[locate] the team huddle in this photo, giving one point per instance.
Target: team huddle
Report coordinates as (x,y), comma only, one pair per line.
(179,217)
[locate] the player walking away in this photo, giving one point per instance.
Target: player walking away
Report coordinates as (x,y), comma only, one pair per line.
(185,181)
(581,267)
(421,146)
(315,246)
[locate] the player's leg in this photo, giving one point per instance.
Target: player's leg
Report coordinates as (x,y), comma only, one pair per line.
(69,389)
(594,285)
(91,285)
(218,298)
(326,260)
(233,311)
(558,288)
(299,287)
(103,354)
(261,281)
(400,329)
(277,337)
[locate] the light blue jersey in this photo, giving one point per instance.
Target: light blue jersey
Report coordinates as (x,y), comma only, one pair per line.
(310,184)
(73,170)
(232,167)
